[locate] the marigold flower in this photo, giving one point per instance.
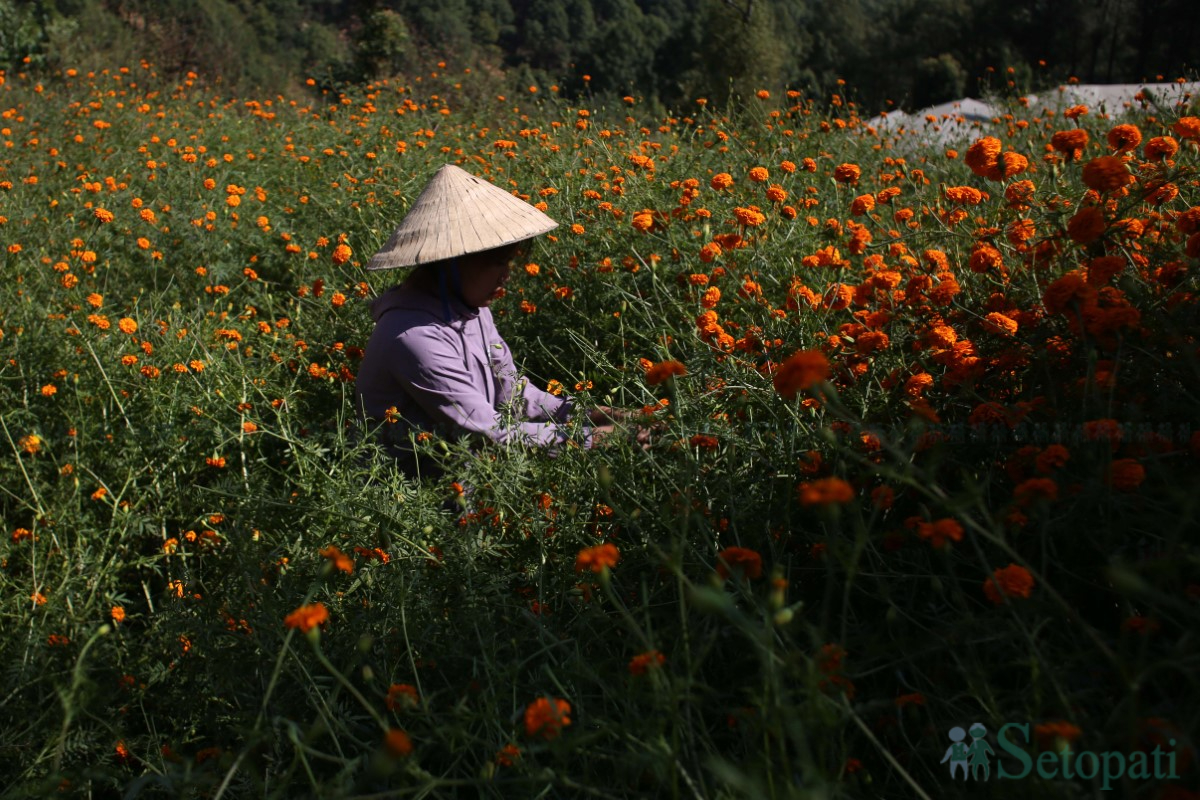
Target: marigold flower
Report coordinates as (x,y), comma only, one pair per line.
(982,155)
(597,558)
(1108,430)
(127,325)
(862,204)
(722,180)
(1007,165)
(997,323)
(1124,138)
(825,492)
(847,173)
(801,370)
(1106,174)
(545,718)
(103,214)
(401,696)
(1053,457)
(663,371)
(1126,474)
(1070,143)
(759,174)
(710,252)
(508,755)
(964,195)
(750,216)
(397,743)
(118,614)
(1087,225)
(339,559)
(940,531)
(1187,128)
(307,617)
(1010,581)
(30,444)
(1035,489)
(742,560)
(1160,147)
(1050,734)
(643,662)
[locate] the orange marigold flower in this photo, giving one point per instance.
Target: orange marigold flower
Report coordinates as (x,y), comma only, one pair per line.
(545,718)
(1126,474)
(759,174)
(825,492)
(938,532)
(1053,457)
(1070,143)
(1048,734)
(1020,194)
(801,370)
(118,614)
(722,180)
(1035,489)
(643,662)
(742,560)
(339,559)
(750,216)
(862,204)
(1087,225)
(1187,128)
(1010,581)
(663,371)
(103,214)
(709,253)
(1124,138)
(997,323)
(985,257)
(31,444)
(1106,174)
(1007,165)
(508,755)
(397,743)
(342,254)
(307,617)
(597,558)
(127,325)
(1160,147)
(964,195)
(401,696)
(847,173)
(1065,291)
(1108,430)
(982,155)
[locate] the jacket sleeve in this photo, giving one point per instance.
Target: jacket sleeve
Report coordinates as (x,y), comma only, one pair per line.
(429,365)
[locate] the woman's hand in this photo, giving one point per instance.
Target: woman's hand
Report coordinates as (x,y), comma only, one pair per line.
(606,415)
(642,435)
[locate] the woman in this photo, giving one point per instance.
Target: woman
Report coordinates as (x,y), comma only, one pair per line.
(435,361)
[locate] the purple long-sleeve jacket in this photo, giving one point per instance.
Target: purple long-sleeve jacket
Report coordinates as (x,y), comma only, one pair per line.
(455,377)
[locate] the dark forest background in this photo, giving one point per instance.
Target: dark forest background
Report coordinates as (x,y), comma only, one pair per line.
(667,52)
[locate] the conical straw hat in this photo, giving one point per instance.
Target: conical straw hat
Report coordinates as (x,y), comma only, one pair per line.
(458,214)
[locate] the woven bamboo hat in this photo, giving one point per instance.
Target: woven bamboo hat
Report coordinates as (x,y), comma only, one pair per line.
(456,214)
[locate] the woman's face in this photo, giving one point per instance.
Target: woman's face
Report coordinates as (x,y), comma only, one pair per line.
(482,275)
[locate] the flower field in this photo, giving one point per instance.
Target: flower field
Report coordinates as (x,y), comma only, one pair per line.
(928,450)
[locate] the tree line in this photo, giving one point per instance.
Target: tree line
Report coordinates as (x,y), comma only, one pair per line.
(886,53)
